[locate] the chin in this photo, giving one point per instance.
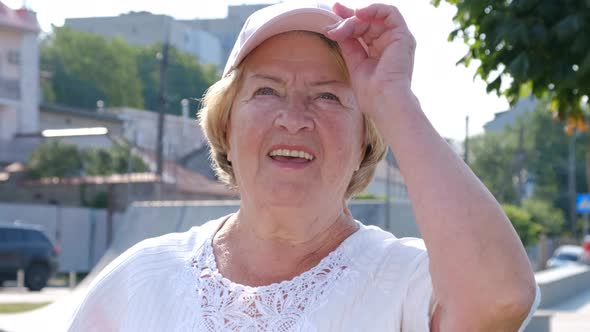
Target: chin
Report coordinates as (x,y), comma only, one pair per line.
(290,195)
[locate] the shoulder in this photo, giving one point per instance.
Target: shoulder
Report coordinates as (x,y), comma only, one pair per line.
(383,244)
(149,263)
(166,249)
(387,257)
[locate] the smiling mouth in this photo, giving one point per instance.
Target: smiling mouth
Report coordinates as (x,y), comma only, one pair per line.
(291,155)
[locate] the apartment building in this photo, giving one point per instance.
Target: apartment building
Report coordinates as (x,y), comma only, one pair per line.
(226,29)
(19,81)
(144,28)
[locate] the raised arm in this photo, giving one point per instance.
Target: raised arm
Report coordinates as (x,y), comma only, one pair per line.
(481,276)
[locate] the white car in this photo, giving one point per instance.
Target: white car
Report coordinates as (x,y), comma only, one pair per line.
(565,255)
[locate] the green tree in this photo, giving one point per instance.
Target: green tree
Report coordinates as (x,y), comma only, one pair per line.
(114,160)
(187,78)
(541,45)
(528,231)
(85,68)
(545,160)
(54,159)
(493,160)
(544,214)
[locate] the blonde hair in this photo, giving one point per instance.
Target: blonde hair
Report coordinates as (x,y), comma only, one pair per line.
(214,118)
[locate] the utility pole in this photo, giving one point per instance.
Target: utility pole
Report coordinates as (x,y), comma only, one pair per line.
(520,168)
(571,182)
(466,142)
(162,99)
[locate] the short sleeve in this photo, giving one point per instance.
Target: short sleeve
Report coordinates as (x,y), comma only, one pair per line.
(106,300)
(419,302)
(534,307)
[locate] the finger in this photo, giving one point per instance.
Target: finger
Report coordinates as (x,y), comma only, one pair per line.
(353,53)
(342,11)
(351,27)
(374,32)
(389,15)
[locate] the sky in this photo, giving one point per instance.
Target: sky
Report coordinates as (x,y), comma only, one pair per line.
(447,92)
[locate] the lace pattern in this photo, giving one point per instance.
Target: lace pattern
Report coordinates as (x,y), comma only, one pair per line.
(282,307)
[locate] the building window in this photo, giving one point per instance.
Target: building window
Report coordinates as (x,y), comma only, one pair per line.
(13,57)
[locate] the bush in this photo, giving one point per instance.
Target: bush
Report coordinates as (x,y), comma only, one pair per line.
(58,159)
(54,159)
(528,231)
(543,213)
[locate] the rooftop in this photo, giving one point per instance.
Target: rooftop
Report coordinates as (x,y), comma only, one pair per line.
(21,19)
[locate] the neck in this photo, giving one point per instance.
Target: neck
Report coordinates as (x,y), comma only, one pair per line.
(262,245)
(291,226)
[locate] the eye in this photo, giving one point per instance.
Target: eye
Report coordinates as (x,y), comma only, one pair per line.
(328,96)
(266,91)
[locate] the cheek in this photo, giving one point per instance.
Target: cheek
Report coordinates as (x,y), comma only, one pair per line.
(248,123)
(346,139)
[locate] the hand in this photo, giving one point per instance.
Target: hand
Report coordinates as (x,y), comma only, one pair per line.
(385,69)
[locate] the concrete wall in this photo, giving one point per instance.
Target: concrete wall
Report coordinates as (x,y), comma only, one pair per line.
(54,120)
(181,134)
(79,232)
(150,219)
(558,285)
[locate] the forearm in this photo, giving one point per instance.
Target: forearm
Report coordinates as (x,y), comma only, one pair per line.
(477,259)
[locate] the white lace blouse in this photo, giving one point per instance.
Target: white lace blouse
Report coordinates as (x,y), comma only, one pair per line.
(371,282)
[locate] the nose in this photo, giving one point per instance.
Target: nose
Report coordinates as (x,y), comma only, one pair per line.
(294,116)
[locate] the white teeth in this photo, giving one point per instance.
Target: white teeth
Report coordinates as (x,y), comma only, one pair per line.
(291,153)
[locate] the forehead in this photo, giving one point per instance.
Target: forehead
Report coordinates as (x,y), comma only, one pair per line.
(297,52)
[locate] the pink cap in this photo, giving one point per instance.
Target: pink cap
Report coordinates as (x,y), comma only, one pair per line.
(272,20)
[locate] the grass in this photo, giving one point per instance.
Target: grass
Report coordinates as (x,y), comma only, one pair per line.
(12,308)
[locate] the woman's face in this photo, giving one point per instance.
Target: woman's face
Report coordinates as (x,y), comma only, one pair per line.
(295,131)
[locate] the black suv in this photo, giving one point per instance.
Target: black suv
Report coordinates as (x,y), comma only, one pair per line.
(28,248)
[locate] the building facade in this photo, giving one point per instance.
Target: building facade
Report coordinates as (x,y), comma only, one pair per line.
(19,78)
(226,29)
(509,118)
(144,28)
(182,135)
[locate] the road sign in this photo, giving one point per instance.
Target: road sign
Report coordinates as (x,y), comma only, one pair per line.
(583,203)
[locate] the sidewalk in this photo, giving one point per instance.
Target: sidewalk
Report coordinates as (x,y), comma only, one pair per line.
(52,317)
(572,315)
(48,294)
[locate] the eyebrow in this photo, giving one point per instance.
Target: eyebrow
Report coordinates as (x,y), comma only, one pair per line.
(281,81)
(267,77)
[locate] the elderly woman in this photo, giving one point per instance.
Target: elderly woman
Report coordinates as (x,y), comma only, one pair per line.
(310,99)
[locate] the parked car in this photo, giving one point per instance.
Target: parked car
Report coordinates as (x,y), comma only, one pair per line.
(565,255)
(28,248)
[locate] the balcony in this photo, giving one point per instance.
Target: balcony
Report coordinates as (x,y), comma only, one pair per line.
(9,89)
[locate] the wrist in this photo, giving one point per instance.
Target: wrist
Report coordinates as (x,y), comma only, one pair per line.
(391,101)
